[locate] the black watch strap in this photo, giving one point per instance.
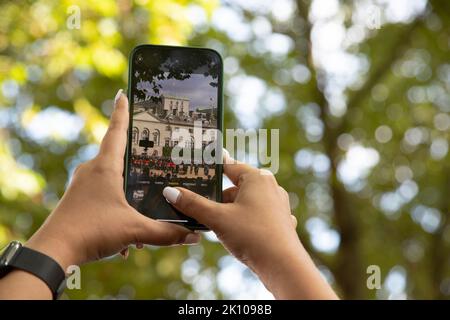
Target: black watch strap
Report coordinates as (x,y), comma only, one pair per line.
(42,266)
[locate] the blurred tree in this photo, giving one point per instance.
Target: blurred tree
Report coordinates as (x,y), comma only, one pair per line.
(363,114)
(370,151)
(57,86)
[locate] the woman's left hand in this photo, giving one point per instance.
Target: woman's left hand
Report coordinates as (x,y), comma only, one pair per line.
(93,219)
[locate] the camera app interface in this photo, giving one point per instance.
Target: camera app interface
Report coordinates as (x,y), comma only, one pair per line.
(174,97)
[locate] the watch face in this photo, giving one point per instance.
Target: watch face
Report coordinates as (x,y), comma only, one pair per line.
(9,253)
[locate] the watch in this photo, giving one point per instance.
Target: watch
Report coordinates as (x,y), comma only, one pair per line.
(16,256)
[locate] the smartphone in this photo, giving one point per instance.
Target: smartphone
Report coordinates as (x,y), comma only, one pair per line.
(174,136)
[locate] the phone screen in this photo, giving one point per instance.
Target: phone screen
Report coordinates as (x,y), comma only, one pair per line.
(175,123)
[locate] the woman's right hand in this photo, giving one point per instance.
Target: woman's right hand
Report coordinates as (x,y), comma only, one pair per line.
(255,224)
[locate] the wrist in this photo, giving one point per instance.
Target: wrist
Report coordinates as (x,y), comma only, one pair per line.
(293,275)
(55,247)
(272,268)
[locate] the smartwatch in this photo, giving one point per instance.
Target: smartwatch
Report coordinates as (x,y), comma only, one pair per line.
(16,256)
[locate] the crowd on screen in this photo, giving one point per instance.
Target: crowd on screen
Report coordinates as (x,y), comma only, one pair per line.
(150,167)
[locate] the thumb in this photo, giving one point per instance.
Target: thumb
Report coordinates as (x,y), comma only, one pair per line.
(163,233)
(205,211)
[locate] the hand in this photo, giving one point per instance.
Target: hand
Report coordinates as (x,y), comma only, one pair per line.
(93,219)
(255,212)
(255,225)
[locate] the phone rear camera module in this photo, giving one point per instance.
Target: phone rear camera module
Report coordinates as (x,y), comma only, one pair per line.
(139,58)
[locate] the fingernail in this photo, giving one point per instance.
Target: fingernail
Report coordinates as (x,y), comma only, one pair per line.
(226,156)
(225,153)
(118,95)
(192,238)
(125,253)
(171,194)
(265,172)
(139,245)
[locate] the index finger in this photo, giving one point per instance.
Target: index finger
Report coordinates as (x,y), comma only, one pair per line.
(235,169)
(115,140)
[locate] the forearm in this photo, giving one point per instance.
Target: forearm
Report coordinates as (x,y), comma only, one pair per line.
(19,284)
(295,276)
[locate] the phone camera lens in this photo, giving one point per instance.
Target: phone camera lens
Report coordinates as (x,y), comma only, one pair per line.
(139,58)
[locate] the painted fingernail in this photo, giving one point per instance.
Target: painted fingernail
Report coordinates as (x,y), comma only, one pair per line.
(294,221)
(265,172)
(226,155)
(171,194)
(118,95)
(125,253)
(139,245)
(192,238)
(227,159)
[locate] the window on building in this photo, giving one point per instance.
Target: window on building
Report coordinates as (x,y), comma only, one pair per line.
(135,135)
(145,134)
(190,143)
(156,137)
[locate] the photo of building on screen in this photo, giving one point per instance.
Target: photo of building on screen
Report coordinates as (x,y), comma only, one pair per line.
(156,121)
(174,126)
(152,142)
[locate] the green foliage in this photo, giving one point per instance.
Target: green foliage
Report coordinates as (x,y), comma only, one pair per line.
(402,94)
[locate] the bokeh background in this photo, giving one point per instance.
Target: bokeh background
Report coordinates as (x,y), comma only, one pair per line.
(360,91)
